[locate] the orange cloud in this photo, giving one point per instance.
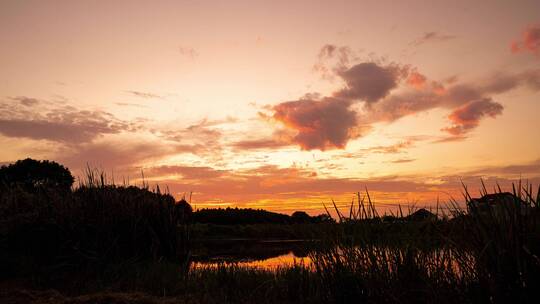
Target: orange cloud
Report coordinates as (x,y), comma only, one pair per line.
(467,117)
(416,80)
(529,41)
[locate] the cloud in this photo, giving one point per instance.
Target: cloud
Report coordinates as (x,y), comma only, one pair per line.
(186,172)
(402,160)
(434,95)
(188,52)
(373,93)
(449,139)
(146,95)
(416,80)
(370,81)
(432,37)
(202,138)
(320,124)
(466,118)
(331,59)
(260,144)
(294,188)
(390,149)
(63,124)
(26,101)
(529,41)
(127,104)
(126,156)
(513,170)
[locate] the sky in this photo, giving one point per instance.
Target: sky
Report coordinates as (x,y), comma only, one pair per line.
(281,105)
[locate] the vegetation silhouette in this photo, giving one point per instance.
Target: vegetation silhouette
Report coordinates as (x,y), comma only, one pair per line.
(248,216)
(34,174)
(98,237)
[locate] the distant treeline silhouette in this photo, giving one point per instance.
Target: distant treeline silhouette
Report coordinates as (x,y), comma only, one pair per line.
(240,216)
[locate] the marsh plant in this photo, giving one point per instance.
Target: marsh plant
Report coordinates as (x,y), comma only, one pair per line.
(99,237)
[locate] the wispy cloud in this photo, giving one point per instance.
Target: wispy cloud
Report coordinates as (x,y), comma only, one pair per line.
(146,95)
(429,37)
(403,160)
(26,101)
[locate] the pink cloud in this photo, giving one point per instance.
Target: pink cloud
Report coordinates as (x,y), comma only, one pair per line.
(416,80)
(466,118)
(529,41)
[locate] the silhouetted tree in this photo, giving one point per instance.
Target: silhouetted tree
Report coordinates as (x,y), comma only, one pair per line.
(239,216)
(300,217)
(32,174)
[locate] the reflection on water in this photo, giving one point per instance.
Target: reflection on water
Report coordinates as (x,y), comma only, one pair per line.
(265,254)
(270,255)
(268,263)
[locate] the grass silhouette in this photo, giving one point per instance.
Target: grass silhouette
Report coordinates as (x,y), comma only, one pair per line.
(100,238)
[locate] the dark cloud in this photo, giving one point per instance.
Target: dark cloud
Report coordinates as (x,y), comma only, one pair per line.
(467,117)
(320,124)
(369,81)
(64,124)
(62,132)
(146,95)
(432,37)
(529,41)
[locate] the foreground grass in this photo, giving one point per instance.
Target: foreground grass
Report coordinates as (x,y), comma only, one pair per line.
(101,243)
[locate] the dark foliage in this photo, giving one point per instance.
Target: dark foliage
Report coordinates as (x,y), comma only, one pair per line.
(50,232)
(34,174)
(239,216)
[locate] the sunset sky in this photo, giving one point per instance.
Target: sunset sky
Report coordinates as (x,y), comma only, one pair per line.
(280,105)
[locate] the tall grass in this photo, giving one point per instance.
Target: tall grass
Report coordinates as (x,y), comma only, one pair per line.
(98,224)
(134,241)
(485,253)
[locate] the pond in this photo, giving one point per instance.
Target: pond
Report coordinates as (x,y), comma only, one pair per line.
(265,254)
(272,254)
